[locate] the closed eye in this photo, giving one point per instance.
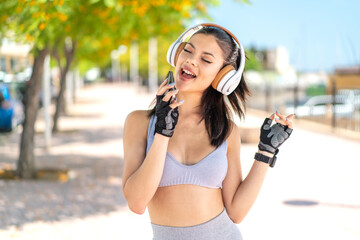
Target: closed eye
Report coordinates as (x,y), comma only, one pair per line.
(206,61)
(188,51)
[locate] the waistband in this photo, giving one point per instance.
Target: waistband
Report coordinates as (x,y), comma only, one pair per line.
(220,227)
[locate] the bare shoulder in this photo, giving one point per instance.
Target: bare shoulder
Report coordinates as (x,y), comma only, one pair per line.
(137,121)
(138,118)
(137,115)
(234,139)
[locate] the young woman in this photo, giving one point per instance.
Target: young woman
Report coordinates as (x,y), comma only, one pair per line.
(182,158)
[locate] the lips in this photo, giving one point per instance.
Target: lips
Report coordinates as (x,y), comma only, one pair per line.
(187,74)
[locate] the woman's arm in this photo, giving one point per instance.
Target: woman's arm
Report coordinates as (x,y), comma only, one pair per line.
(239,195)
(142,175)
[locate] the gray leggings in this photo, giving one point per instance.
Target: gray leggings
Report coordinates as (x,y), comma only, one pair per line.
(219,228)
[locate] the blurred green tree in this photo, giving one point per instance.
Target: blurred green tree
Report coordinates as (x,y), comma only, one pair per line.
(253,62)
(36,23)
(83,29)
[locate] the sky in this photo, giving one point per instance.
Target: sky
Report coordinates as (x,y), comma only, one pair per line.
(320,35)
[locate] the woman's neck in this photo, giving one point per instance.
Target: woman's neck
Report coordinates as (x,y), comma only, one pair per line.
(191,105)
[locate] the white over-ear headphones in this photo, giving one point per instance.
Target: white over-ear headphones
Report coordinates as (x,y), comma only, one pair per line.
(228,78)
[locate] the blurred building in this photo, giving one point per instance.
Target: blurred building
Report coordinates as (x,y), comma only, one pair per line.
(276,59)
(345,78)
(14,60)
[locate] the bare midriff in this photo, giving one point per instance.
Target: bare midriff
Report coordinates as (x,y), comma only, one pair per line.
(185,205)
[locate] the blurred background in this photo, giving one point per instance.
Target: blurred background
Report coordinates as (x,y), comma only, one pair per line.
(300,55)
(70,72)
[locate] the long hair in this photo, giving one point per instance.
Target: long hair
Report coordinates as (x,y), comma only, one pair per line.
(217,109)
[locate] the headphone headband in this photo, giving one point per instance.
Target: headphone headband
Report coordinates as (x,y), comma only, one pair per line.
(224,29)
(225,82)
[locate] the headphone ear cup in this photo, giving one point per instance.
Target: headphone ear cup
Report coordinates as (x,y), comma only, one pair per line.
(170,55)
(222,77)
(178,51)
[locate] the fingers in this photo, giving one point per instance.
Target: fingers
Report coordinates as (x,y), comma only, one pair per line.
(164,87)
(281,117)
(291,116)
(170,94)
(163,83)
(286,121)
(272,116)
(176,104)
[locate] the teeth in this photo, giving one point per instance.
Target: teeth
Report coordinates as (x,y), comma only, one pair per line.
(189,73)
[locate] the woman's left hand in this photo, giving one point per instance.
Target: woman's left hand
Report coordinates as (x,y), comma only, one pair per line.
(285,121)
(272,136)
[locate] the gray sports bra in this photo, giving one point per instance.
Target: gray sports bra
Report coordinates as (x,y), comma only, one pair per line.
(209,172)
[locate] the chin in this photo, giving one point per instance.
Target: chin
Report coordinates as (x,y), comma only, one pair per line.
(188,85)
(189,88)
(180,86)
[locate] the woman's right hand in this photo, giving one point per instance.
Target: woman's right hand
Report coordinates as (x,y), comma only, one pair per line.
(166,109)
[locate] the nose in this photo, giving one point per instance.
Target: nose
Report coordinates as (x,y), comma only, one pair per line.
(191,61)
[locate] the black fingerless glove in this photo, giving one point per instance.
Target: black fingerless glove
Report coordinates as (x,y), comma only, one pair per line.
(271,137)
(167,117)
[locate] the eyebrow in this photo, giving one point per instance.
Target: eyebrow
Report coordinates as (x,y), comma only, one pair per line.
(192,45)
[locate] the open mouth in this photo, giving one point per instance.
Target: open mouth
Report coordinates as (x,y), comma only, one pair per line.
(187,74)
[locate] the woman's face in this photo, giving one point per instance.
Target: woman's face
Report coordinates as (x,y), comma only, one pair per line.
(198,63)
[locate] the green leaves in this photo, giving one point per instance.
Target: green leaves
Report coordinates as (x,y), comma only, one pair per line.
(252,62)
(98,26)
(110,3)
(94,1)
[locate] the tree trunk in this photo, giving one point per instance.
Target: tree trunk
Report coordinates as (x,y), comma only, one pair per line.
(26,165)
(60,100)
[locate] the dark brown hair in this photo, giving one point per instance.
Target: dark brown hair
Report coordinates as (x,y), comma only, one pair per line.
(214,108)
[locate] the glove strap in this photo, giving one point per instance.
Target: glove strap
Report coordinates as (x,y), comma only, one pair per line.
(269,160)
